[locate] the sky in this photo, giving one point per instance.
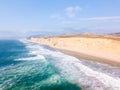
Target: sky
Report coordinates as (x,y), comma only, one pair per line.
(23,18)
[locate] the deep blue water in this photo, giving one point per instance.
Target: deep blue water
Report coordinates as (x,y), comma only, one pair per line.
(29,66)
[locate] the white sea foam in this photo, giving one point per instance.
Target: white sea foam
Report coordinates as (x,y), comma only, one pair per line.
(73,69)
(87,76)
(38,57)
(108,81)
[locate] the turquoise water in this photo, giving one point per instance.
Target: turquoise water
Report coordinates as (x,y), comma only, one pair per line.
(24,68)
(30,66)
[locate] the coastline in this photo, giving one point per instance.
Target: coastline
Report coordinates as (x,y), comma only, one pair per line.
(100,48)
(89,57)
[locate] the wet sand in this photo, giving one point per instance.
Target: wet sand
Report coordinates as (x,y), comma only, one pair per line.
(90,57)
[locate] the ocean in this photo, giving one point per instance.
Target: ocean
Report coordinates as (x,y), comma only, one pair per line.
(26,65)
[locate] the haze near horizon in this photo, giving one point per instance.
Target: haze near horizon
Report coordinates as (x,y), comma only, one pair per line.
(24,18)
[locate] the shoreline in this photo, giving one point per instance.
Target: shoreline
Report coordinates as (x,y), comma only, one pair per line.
(89,57)
(85,56)
(100,48)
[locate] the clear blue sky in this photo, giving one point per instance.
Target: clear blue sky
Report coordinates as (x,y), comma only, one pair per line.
(21,18)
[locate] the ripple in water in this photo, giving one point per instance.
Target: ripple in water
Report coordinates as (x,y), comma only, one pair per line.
(32,72)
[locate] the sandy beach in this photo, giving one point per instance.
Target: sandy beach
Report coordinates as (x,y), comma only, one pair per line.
(98,47)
